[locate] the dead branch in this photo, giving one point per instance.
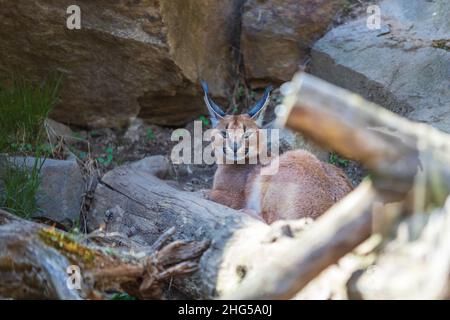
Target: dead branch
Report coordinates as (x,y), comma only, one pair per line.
(391,146)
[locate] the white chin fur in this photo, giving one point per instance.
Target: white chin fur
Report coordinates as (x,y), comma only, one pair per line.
(235,159)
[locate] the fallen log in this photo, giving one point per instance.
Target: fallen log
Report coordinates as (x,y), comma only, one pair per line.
(34,262)
(414,263)
(131,200)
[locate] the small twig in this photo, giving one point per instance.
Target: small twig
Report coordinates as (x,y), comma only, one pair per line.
(163,239)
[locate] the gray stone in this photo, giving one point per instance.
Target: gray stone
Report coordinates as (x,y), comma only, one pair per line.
(58,131)
(277,34)
(60,194)
(399,66)
(157,165)
(290,140)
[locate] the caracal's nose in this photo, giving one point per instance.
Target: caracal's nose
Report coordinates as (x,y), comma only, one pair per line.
(235,147)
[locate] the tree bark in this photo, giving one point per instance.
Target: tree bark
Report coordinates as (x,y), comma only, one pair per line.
(34,259)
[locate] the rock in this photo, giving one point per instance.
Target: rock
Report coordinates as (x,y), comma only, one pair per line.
(60,194)
(290,140)
(401,66)
(276,35)
(57,131)
(158,166)
(129,58)
(133,133)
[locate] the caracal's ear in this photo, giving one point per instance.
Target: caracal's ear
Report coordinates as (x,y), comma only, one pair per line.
(257,111)
(215,112)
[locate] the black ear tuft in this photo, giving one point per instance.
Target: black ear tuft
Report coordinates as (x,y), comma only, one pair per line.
(261,104)
(214,110)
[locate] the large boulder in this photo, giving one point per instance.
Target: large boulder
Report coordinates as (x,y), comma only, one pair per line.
(130,58)
(404,66)
(277,34)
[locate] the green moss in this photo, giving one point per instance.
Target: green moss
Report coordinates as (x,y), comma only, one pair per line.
(65,244)
(337,161)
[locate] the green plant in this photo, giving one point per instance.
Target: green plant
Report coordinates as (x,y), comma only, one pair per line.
(106,161)
(94,133)
(122,296)
(24,108)
(204,120)
(20,184)
(240,92)
(347,8)
(80,154)
(150,134)
(338,161)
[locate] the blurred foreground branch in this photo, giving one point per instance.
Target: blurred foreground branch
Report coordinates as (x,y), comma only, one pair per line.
(393,148)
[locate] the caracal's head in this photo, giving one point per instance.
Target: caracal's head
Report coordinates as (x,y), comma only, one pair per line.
(236,138)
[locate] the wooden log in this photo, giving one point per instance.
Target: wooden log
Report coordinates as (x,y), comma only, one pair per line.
(34,259)
(414,263)
(132,201)
(289,268)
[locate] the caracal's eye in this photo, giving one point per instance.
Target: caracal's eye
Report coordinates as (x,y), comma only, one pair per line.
(223,133)
(248,133)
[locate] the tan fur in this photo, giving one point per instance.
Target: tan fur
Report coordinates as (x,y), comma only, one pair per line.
(303,186)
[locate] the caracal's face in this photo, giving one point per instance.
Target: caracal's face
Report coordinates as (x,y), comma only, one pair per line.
(236,137)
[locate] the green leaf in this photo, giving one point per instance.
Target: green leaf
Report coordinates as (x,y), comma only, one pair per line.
(150,134)
(94,133)
(204,120)
(336,160)
(122,296)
